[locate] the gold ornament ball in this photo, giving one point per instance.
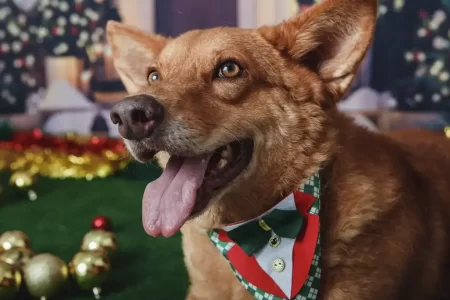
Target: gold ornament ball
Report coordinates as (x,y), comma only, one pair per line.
(44,275)
(14,239)
(447,131)
(99,240)
(17,257)
(22,180)
(90,269)
(10,280)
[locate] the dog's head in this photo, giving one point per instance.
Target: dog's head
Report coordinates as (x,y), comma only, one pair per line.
(243,113)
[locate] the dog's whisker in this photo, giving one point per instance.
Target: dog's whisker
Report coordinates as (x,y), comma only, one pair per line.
(233,135)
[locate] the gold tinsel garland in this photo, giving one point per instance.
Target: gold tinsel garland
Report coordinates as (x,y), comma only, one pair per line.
(68,156)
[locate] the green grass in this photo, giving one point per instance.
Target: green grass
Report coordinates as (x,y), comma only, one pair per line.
(143,268)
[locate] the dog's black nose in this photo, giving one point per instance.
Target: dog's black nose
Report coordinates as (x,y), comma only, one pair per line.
(137,116)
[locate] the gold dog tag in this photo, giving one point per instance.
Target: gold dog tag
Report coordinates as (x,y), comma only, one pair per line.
(263,225)
(274,241)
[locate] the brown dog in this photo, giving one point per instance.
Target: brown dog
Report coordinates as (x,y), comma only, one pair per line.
(247,117)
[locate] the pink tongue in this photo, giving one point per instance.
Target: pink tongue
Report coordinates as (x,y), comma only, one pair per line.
(169,200)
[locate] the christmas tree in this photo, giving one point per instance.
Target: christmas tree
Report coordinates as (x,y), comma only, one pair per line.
(412,53)
(427,61)
(68,27)
(18,53)
(61,27)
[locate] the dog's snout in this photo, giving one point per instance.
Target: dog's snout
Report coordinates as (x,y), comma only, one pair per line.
(137,116)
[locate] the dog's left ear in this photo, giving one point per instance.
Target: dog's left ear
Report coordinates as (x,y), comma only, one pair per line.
(134,51)
(331,38)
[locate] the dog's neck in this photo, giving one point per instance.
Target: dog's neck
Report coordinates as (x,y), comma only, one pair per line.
(277,179)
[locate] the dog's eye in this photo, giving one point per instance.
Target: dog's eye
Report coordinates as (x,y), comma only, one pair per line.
(229,69)
(153,76)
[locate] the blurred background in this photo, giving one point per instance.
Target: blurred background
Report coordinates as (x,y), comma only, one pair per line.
(56,70)
(64,176)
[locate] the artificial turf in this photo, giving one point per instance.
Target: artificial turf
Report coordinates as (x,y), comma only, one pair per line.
(143,267)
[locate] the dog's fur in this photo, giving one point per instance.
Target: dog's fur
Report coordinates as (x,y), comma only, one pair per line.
(386,200)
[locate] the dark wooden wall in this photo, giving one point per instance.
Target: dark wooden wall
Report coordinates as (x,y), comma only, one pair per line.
(174,17)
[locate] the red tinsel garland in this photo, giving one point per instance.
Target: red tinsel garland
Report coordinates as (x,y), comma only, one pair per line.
(69,143)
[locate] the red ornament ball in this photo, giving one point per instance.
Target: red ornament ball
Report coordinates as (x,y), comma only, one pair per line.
(101,222)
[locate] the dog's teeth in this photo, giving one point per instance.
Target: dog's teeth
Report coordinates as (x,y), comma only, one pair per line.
(224,153)
(222,163)
(227,152)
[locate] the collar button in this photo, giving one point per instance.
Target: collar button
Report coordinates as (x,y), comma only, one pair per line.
(274,241)
(278,265)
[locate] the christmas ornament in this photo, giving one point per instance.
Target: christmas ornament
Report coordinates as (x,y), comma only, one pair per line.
(90,270)
(447,131)
(24,181)
(44,275)
(101,222)
(67,156)
(14,239)
(99,240)
(10,280)
(17,257)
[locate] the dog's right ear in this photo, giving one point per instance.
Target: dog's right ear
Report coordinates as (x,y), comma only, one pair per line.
(133,52)
(330,38)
